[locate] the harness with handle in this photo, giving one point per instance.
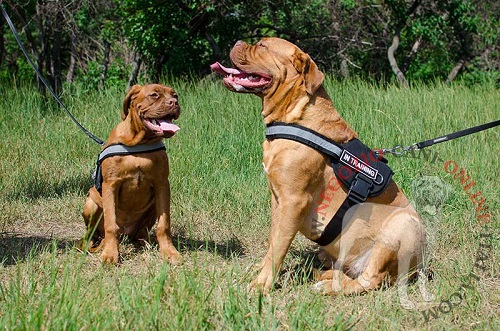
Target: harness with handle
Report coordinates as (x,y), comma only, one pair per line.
(362,170)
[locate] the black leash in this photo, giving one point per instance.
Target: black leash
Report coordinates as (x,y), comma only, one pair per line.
(400,150)
(16,36)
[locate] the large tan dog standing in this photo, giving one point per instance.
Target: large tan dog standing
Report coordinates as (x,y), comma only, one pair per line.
(384,238)
(135,188)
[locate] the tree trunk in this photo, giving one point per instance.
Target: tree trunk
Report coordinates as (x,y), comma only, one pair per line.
(344,69)
(136,66)
(105,63)
(213,45)
(395,44)
(157,72)
(411,56)
(454,72)
(56,55)
(41,55)
(46,57)
(70,75)
(2,41)
(392,60)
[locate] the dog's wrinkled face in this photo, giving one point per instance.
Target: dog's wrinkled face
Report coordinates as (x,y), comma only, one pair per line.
(153,107)
(263,67)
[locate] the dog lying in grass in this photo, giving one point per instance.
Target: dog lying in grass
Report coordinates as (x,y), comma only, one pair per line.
(132,191)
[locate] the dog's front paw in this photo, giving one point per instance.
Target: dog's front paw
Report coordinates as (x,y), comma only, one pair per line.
(172,256)
(109,256)
(256,287)
(263,283)
(175,259)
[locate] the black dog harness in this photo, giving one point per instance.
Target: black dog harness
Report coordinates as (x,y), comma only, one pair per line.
(120,149)
(358,168)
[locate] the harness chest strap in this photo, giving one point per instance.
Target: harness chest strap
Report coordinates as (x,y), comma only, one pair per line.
(353,163)
(120,149)
(305,136)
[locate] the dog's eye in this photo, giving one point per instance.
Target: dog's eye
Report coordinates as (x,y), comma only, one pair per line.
(154,95)
(175,96)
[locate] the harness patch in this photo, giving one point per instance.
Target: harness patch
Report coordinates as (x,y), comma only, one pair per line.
(359,163)
(356,164)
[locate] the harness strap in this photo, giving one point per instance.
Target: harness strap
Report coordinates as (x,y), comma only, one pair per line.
(120,149)
(336,224)
(305,136)
(363,177)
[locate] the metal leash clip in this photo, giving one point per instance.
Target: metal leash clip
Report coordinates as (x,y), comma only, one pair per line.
(397,150)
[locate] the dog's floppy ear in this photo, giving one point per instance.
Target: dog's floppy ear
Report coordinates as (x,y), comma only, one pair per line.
(304,65)
(128,99)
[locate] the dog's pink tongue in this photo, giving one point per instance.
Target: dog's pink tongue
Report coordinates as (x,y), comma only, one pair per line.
(169,126)
(220,69)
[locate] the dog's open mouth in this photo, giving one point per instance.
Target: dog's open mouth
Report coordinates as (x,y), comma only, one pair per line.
(240,81)
(161,126)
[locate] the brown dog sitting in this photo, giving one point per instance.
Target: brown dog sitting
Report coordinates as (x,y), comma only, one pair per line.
(381,239)
(132,190)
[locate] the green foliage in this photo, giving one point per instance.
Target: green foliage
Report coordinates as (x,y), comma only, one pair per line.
(23,72)
(158,33)
(184,37)
(91,75)
(473,76)
(162,37)
(348,4)
(447,31)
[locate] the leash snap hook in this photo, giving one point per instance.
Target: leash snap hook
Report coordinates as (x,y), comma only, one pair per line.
(396,150)
(399,150)
(411,148)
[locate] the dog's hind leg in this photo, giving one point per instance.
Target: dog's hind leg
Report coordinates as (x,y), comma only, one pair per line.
(382,265)
(404,298)
(402,284)
(330,282)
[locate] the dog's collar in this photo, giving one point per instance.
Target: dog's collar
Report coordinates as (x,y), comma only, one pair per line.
(120,149)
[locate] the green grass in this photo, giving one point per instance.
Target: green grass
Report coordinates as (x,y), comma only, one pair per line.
(220,215)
